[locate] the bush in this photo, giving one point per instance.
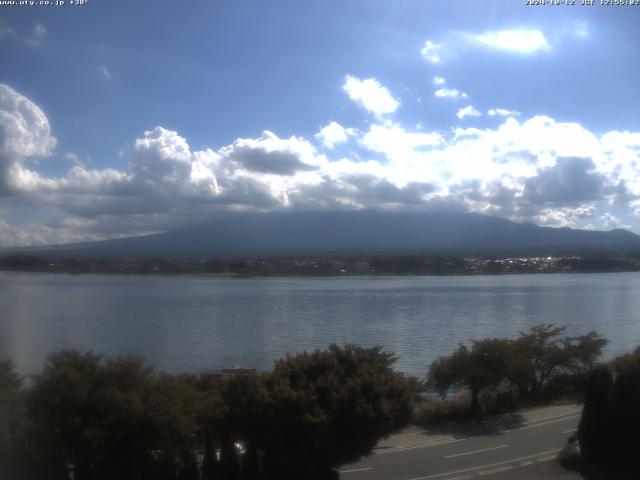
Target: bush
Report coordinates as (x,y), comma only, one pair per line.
(331,407)
(610,419)
(116,418)
(430,412)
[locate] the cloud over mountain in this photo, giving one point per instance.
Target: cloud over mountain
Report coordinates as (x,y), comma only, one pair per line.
(538,169)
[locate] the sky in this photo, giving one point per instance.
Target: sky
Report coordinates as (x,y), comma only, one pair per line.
(122,118)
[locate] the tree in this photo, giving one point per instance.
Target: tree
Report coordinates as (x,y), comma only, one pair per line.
(94,414)
(542,352)
(236,407)
(11,415)
(595,423)
(10,387)
(528,362)
(176,407)
(331,407)
(483,365)
(610,419)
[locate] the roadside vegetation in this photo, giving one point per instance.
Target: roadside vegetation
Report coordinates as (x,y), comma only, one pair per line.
(606,445)
(496,374)
(103,418)
(116,418)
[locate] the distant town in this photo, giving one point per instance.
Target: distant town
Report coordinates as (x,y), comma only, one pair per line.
(323,266)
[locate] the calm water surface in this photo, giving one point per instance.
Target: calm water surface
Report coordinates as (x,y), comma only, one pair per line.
(192,324)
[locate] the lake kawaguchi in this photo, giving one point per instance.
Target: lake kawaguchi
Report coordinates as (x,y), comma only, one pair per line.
(192,324)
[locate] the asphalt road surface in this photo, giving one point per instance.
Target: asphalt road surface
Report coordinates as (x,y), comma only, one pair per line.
(516,446)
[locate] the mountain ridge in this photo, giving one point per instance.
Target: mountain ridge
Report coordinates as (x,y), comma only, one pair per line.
(356,232)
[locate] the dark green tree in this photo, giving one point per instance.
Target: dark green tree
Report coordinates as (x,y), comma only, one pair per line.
(332,406)
(235,407)
(543,352)
(94,414)
(610,419)
(595,422)
(483,365)
(176,407)
(12,422)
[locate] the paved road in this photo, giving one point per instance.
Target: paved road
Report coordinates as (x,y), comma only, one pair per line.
(517,446)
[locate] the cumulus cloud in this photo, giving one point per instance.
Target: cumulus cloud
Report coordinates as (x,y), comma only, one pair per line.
(468,111)
(538,169)
(438,80)
(404,150)
(333,134)
(571,180)
(564,216)
(431,52)
(502,112)
(272,155)
(610,221)
(361,190)
(24,133)
(515,40)
(370,95)
(450,93)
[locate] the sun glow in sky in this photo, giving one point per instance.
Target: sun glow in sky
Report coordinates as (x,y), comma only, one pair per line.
(122,118)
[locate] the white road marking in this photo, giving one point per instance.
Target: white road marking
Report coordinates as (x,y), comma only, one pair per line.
(535,420)
(542,423)
(571,430)
(413,447)
(440,441)
(477,451)
(505,462)
(353,470)
(550,421)
(545,459)
(423,441)
(497,470)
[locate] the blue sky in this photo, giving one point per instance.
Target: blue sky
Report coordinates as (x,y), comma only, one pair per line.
(123,118)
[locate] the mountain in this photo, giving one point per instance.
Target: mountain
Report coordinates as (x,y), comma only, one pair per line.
(359,232)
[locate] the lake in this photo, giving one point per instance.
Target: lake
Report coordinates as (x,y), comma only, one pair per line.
(206,323)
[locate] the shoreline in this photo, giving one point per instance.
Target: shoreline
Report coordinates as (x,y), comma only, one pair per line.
(297,275)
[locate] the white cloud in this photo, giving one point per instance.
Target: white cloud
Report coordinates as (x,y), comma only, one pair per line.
(450,93)
(438,80)
(516,40)
(37,35)
(468,111)
(104,72)
(333,134)
(272,155)
(610,221)
(538,169)
(564,217)
(395,141)
(24,133)
(431,52)
(24,127)
(370,95)
(502,112)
